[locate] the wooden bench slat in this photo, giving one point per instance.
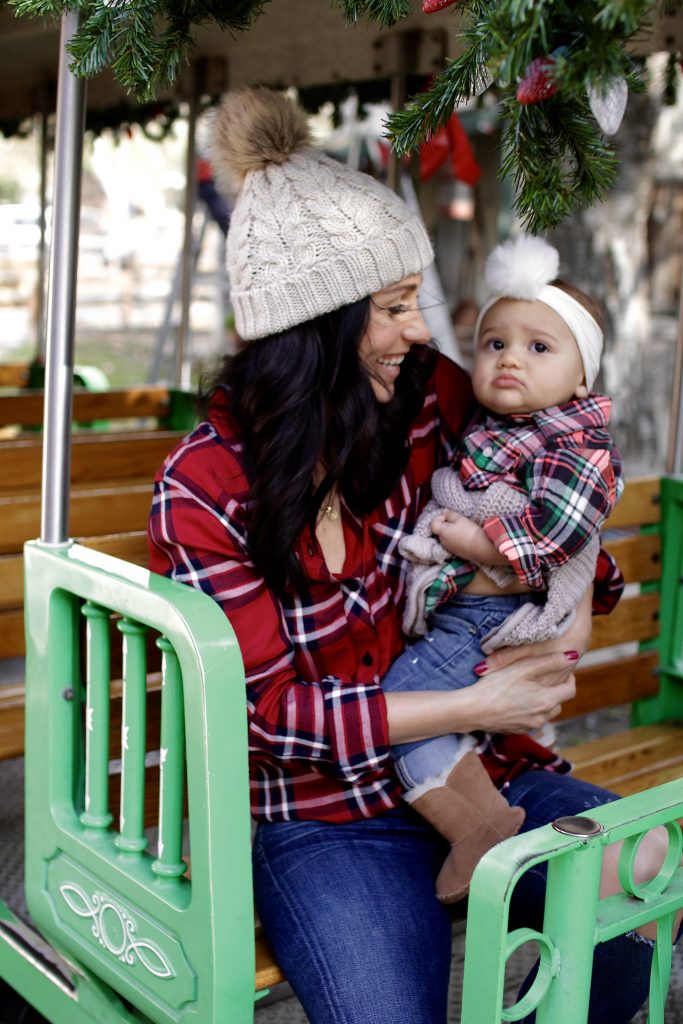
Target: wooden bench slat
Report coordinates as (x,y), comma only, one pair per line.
(94,457)
(613,683)
(114,509)
(11,721)
(26,408)
(14,375)
(639,557)
(639,505)
(132,547)
(656,775)
(12,643)
(268,971)
(11,581)
(628,758)
(634,618)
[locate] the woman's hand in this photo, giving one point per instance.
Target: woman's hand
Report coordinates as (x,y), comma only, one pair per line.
(576,638)
(519,698)
(524,695)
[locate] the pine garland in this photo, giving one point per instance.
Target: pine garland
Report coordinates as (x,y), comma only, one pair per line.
(565,50)
(145,42)
(385,12)
(553,149)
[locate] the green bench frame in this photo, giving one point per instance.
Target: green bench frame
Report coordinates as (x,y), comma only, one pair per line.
(135,938)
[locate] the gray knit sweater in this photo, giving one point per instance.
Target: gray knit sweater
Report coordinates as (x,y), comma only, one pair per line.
(566,584)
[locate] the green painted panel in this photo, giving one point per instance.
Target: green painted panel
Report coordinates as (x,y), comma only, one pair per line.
(119,933)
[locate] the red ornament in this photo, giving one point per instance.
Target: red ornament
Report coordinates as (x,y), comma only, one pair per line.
(450,141)
(538,82)
(432,6)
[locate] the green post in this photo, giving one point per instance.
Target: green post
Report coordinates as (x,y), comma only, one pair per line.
(182,410)
(668,703)
(133,731)
(169,862)
(96,814)
(570,924)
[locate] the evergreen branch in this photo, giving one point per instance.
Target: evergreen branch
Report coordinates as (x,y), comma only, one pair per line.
(557,159)
(384,12)
(553,148)
(145,42)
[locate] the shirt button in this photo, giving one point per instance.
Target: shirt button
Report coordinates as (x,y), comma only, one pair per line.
(488,451)
(367,658)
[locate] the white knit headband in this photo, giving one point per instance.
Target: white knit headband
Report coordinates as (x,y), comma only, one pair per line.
(522,269)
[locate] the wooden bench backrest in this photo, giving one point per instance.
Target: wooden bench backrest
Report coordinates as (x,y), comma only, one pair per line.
(132,547)
(631,676)
(95,457)
(621,680)
(25,408)
(14,375)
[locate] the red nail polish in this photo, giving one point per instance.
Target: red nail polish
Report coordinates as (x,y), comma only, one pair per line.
(481,667)
(571,655)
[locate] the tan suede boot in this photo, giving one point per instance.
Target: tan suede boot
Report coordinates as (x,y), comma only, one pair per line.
(470,812)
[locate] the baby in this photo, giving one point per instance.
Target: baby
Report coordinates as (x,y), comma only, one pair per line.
(532,482)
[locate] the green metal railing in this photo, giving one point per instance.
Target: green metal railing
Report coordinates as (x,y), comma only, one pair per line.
(576,919)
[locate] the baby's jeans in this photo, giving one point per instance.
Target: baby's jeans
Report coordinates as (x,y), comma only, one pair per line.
(444,659)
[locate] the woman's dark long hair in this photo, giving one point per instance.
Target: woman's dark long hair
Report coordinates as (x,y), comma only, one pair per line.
(302,398)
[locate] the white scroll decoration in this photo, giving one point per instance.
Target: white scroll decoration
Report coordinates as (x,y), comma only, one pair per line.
(126,947)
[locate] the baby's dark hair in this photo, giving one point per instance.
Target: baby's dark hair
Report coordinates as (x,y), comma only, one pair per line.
(588,303)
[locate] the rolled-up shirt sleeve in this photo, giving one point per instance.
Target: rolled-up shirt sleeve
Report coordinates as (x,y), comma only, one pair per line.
(336,723)
(573,491)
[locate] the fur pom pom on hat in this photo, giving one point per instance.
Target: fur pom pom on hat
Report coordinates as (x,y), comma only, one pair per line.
(520,267)
(255,127)
(307,233)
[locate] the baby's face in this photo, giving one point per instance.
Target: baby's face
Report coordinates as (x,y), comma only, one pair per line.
(526,359)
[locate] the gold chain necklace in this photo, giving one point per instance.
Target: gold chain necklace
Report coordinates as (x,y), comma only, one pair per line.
(331,513)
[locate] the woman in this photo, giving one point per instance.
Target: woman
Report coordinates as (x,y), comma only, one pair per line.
(287,505)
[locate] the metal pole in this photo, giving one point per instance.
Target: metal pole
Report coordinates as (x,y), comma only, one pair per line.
(397,99)
(61,304)
(42,247)
(182,363)
(674,462)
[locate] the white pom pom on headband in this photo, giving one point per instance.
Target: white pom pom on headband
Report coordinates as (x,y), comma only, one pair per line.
(522,268)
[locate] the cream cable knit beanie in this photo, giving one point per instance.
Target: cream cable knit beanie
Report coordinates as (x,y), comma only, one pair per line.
(307,234)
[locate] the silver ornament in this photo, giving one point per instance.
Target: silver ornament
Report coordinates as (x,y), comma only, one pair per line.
(608,104)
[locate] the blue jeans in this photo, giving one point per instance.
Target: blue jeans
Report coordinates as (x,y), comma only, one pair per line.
(351,913)
(444,659)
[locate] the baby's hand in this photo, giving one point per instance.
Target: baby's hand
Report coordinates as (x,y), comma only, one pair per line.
(457,533)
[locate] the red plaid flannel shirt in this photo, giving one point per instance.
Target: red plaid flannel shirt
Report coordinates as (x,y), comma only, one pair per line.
(314,661)
(565,460)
